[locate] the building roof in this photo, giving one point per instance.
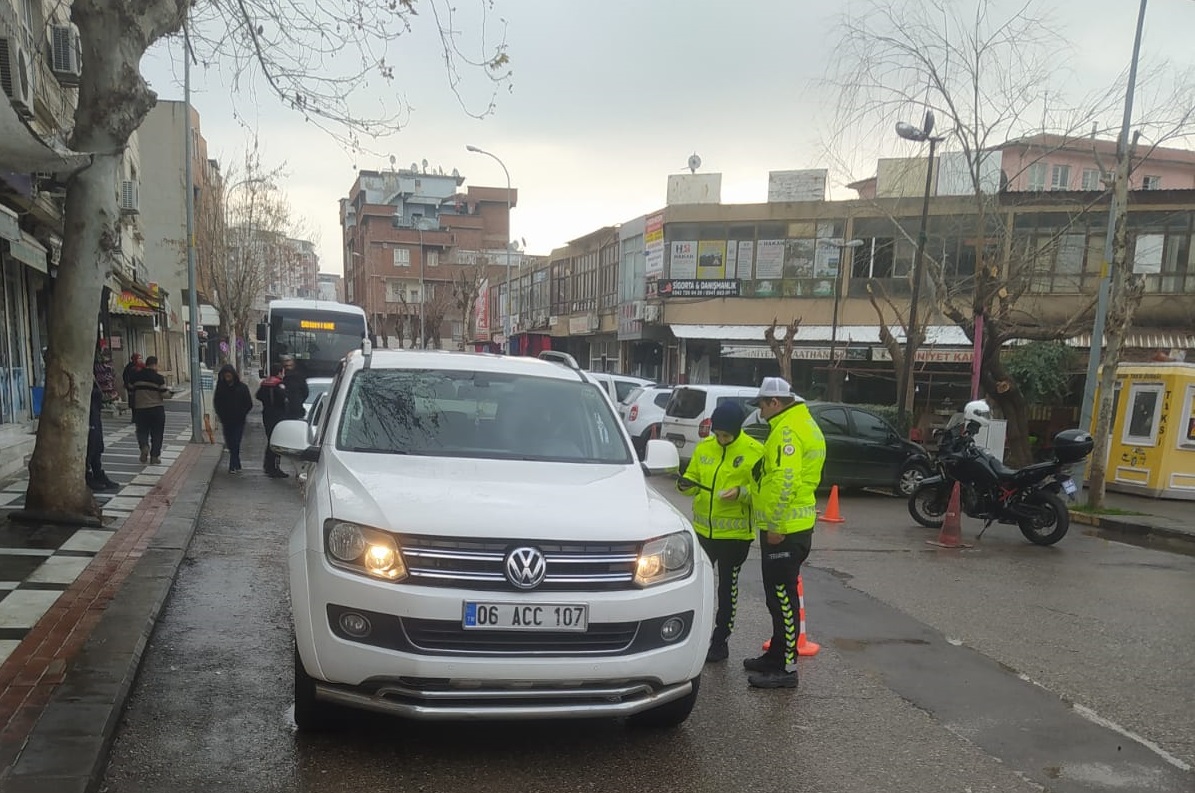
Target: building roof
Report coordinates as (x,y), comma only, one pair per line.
(1101,146)
(944,335)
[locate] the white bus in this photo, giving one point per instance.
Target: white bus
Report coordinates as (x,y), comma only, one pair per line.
(318,333)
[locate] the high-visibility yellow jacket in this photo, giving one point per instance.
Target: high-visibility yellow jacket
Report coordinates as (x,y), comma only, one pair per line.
(720,468)
(789,472)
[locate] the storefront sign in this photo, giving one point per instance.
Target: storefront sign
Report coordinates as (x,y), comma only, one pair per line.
(763,352)
(927,355)
(582,324)
(653,243)
(128,303)
(723,287)
(29,251)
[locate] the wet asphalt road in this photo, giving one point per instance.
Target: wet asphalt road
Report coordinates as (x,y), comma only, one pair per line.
(939,671)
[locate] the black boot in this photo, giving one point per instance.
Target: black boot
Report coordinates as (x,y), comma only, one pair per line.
(718,652)
(763,663)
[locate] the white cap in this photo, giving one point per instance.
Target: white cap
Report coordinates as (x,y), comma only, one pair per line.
(773,387)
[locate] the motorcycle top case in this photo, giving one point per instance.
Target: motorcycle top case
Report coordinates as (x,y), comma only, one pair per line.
(1071,446)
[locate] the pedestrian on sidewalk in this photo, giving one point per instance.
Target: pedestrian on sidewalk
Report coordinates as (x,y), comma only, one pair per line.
(130,371)
(784,510)
(719,478)
(96,478)
(232,404)
(149,416)
(272,395)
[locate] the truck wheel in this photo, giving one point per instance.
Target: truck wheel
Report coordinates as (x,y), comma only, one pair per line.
(311,715)
(669,715)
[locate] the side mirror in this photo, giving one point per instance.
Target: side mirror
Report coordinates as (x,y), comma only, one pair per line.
(290,439)
(263,331)
(660,457)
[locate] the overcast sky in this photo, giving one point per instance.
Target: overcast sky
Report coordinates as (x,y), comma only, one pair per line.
(609,98)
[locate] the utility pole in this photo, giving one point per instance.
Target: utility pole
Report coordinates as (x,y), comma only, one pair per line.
(192,290)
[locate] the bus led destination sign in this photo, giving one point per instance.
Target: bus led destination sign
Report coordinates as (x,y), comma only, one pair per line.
(311,324)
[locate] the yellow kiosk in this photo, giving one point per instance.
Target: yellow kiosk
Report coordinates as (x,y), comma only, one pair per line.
(1152,448)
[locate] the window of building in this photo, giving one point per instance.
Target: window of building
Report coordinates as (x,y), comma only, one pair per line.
(433,258)
(1091,179)
(1037,176)
(1141,423)
(402,257)
(1152,183)
(1060,178)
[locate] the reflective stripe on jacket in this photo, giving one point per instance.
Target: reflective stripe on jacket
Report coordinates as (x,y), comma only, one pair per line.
(720,468)
(789,473)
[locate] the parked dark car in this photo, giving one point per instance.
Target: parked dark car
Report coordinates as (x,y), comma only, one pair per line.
(862,449)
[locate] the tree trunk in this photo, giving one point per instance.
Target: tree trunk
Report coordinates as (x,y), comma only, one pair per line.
(56,482)
(1008,397)
(1124,296)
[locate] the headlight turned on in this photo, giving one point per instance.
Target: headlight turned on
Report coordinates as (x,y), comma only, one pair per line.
(362,550)
(664,559)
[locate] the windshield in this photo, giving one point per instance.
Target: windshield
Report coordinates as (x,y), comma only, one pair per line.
(444,413)
(318,340)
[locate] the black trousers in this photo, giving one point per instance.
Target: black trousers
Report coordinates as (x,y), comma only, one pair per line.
(270,463)
(232,439)
(728,557)
(151,426)
(95,453)
(781,564)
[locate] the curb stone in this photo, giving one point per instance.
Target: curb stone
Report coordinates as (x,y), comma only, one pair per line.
(1127,525)
(67,750)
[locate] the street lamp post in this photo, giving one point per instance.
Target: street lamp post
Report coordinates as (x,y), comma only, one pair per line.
(422,287)
(506,323)
(842,246)
(192,297)
(909,132)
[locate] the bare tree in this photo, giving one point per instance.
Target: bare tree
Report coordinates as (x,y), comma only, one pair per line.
(438,306)
(782,348)
(988,78)
(895,350)
(314,57)
(467,283)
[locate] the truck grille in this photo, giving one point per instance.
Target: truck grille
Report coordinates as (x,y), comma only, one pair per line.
(479,564)
(449,636)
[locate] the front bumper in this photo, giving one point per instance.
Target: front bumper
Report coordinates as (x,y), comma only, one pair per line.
(512,702)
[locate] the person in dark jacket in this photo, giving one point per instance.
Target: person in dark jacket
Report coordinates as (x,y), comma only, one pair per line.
(272,395)
(150,391)
(130,371)
(232,404)
(295,382)
(96,478)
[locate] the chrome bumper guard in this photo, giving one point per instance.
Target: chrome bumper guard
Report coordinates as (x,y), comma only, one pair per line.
(502,704)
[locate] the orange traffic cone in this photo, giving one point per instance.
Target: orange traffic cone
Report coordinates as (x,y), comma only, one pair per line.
(951,535)
(804,646)
(832,514)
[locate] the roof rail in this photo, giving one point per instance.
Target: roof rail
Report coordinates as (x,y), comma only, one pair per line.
(562,358)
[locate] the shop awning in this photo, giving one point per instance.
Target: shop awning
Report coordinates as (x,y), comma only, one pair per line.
(937,335)
(129,304)
(1146,340)
(29,251)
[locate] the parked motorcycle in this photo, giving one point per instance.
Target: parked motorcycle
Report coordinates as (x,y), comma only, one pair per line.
(989,490)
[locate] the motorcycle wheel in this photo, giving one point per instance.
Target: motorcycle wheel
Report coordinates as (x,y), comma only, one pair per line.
(928,504)
(1051,524)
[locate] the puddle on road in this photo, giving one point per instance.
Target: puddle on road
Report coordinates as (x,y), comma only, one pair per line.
(1152,542)
(858,645)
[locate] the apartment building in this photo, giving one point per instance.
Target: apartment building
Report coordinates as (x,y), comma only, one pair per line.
(39,73)
(417,245)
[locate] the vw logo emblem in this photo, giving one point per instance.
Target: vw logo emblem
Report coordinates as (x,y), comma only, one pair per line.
(526,567)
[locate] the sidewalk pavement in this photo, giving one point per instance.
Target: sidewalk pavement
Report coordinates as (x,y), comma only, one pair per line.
(78,604)
(1159,519)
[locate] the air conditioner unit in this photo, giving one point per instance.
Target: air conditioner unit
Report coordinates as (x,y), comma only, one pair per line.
(16,77)
(129,197)
(637,310)
(651,312)
(48,185)
(64,54)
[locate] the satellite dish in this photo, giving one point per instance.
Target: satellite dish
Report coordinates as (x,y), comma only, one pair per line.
(392,162)
(425,166)
(415,167)
(456,174)
(694,163)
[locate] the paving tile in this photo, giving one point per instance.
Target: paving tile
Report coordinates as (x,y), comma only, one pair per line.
(17,566)
(8,498)
(24,607)
(59,570)
(123,503)
(135,490)
(87,540)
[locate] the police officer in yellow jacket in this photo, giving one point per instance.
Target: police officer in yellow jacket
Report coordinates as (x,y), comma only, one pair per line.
(784,511)
(719,477)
